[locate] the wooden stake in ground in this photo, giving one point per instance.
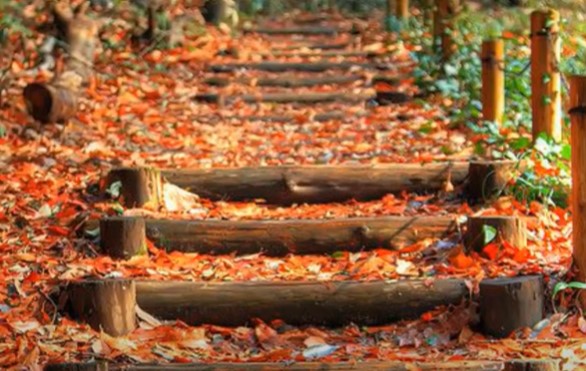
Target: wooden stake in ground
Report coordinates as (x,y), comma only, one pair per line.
(508,304)
(506,228)
(123,237)
(546,101)
(138,186)
(402,9)
(57,101)
(446,11)
(578,140)
(493,80)
(108,305)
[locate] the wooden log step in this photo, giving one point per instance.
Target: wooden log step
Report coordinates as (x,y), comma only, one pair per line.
(275,237)
(301,98)
(286,185)
(513,365)
(325,54)
(286,81)
(297,303)
(300,66)
(338,46)
(326,116)
(305,30)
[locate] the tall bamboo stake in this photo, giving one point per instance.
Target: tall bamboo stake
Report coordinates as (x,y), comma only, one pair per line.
(402,9)
(493,80)
(546,101)
(446,10)
(578,141)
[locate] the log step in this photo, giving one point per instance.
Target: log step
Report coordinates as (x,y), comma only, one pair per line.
(306,30)
(286,185)
(301,98)
(271,237)
(286,81)
(315,184)
(332,303)
(302,67)
(513,365)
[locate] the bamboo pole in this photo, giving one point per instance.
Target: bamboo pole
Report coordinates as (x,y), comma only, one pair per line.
(546,101)
(402,9)
(578,141)
(493,80)
(443,26)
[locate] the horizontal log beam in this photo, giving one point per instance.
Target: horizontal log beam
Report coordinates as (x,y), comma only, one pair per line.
(286,81)
(325,54)
(287,185)
(326,116)
(524,364)
(302,67)
(301,98)
(297,303)
(338,46)
(282,237)
(306,30)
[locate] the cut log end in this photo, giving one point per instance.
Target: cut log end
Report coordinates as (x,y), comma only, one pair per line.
(123,237)
(532,365)
(508,304)
(486,179)
(48,103)
(510,229)
(139,186)
(108,305)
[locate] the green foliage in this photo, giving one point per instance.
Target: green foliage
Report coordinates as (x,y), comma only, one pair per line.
(560,286)
(489,233)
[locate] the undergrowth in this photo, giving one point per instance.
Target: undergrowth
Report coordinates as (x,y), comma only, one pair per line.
(545,175)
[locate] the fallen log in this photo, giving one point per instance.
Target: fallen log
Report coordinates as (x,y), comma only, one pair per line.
(57,100)
(286,81)
(282,237)
(301,98)
(307,30)
(285,185)
(513,365)
(300,66)
(297,303)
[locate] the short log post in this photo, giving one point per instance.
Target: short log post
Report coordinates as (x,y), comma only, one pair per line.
(508,304)
(123,237)
(493,80)
(533,365)
(578,141)
(108,305)
(487,179)
(508,228)
(139,186)
(546,103)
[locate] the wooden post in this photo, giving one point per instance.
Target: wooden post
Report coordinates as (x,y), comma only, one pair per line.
(508,304)
(546,101)
(493,80)
(487,179)
(446,10)
(123,237)
(578,141)
(402,9)
(140,186)
(508,228)
(108,305)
